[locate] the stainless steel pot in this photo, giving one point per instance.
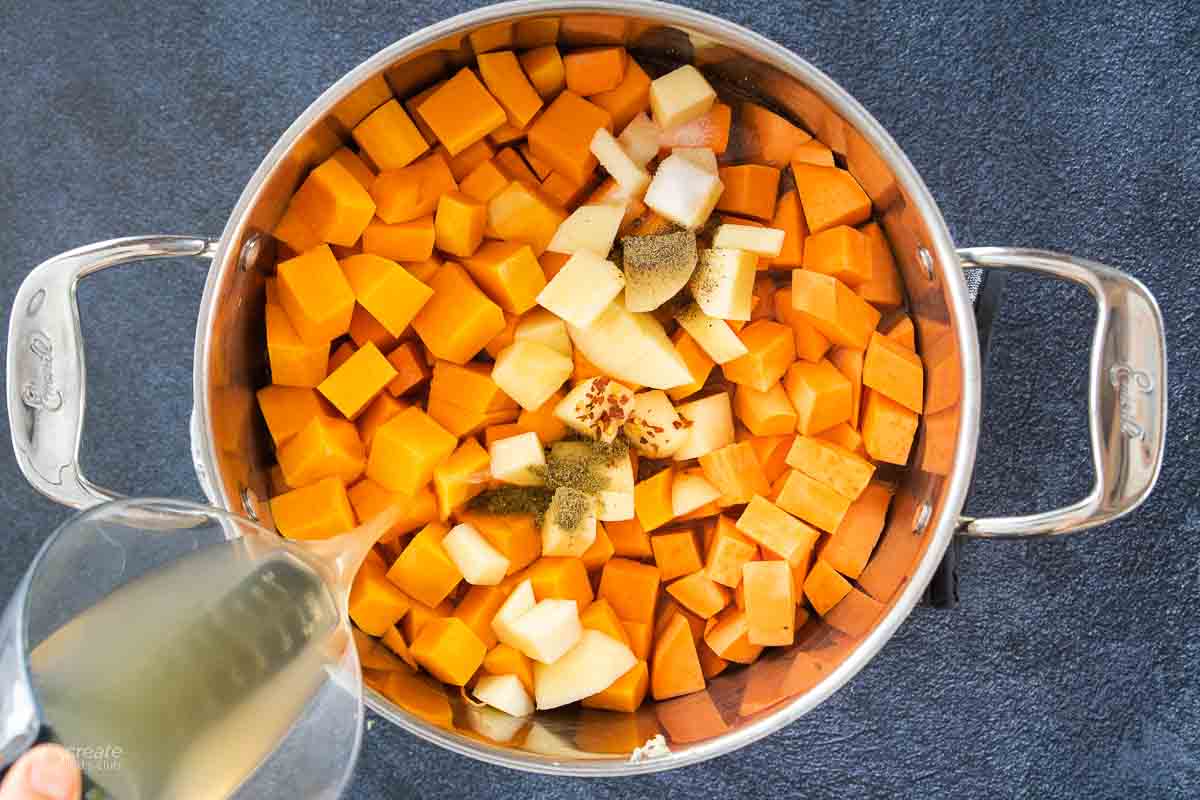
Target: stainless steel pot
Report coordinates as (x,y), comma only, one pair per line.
(1127,388)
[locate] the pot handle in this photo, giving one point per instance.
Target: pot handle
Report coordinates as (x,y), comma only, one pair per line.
(46,374)
(1127,395)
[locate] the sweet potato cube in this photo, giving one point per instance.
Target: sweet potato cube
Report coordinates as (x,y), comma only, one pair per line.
(770,602)
(855,614)
(811,344)
(412,192)
(727,552)
(820,394)
(449,650)
(675,554)
(460,477)
(829,196)
(887,428)
(736,472)
(675,667)
(424,571)
(389,137)
(813,152)
(768,413)
(459,319)
(894,371)
(698,362)
(883,289)
(628,99)
(750,190)
(727,635)
(700,594)
(824,587)
(777,531)
(316,511)
(504,659)
(768,137)
(465,399)
(845,437)
(545,69)
(595,70)
(333,204)
(838,468)
(316,295)
(849,362)
(841,252)
(599,616)
(509,273)
(629,539)
(376,604)
(521,213)
(506,81)
(370,499)
(562,135)
(709,131)
(772,454)
(850,546)
(324,447)
(287,409)
(833,308)
(789,219)
(406,450)
(561,578)
(625,694)
(477,608)
(352,386)
(630,588)
(461,112)
(812,501)
(903,332)
(410,366)
(652,500)
(771,349)
(514,535)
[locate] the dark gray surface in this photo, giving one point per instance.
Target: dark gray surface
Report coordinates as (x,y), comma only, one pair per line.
(1069,670)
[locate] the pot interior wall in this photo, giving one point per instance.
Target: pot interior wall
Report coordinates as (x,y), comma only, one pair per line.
(782,684)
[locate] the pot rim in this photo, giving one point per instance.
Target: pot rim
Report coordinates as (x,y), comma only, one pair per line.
(955,289)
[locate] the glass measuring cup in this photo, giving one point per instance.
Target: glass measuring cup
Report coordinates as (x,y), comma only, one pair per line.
(182,651)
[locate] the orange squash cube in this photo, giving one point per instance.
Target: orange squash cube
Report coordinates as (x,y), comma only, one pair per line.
(841,252)
(838,468)
(459,224)
(675,667)
(316,511)
(888,428)
(698,362)
(543,422)
(406,194)
(774,529)
(629,539)
(460,477)
(461,112)
(700,594)
(369,95)
(369,499)
(652,500)
(675,554)
(419,616)
(287,409)
(820,394)
(736,473)
(545,69)
(505,430)
(903,332)
(811,344)
(375,603)
(710,131)
(423,570)
(388,291)
(402,241)
(316,295)
(389,137)
(465,399)
(504,659)
(625,694)
(829,196)
(562,135)
(407,449)
(813,152)
(824,587)
(845,437)
(641,637)
(341,355)
(509,162)
(833,309)
(353,162)
(566,193)
(728,551)
(631,588)
(771,350)
(459,320)
(849,362)
(410,366)
(449,650)
(507,82)
(750,190)
(850,546)
(789,219)
(522,213)
(599,616)
(600,551)
(768,413)
(812,501)
(770,602)
(509,273)
(769,138)
(365,328)
(484,182)
(894,371)
(333,204)
(323,448)
(855,614)
(465,162)
(595,70)
(561,578)
(884,289)
(506,134)
(514,535)
(477,608)
(772,454)
(353,385)
(294,232)
(727,635)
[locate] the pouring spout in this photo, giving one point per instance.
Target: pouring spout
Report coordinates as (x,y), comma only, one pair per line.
(343,554)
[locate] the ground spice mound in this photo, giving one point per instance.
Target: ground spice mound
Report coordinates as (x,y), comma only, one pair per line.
(651,260)
(515,500)
(571,506)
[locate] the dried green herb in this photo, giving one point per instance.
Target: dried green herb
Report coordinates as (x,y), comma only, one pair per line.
(571,506)
(515,500)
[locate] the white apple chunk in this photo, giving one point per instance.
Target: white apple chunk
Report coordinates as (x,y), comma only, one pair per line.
(595,663)
(480,563)
(712,426)
(640,139)
(654,428)
(702,157)
(591,227)
(518,460)
(596,407)
(723,283)
(582,290)
(714,336)
(657,267)
(505,693)
(631,347)
(530,372)
(683,192)
(546,631)
(691,491)
(541,326)
(628,174)
(575,539)
(680,96)
(766,242)
(518,603)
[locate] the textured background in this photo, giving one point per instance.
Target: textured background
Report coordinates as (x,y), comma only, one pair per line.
(1069,670)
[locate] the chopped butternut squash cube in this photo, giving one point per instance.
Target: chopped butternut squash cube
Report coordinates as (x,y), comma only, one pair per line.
(902,331)
(824,587)
(595,70)
(777,531)
(675,667)
(811,344)
(599,616)
(316,511)
(828,463)
(485,182)
(561,578)
(820,394)
(884,289)
(402,241)
(887,428)
(630,588)
(771,349)
(507,82)
(768,137)
(461,112)
(325,447)
(477,608)
(316,295)
(626,694)
(504,659)
(812,501)
(352,386)
(510,274)
(829,196)
(768,413)
(736,472)
(545,69)
(601,550)
(521,213)
(700,594)
(294,232)
(849,362)
(333,204)
(407,449)
(514,535)
(629,539)
(460,477)
(629,98)
(833,309)
(850,546)
(365,328)
(449,650)
(652,500)
(562,135)
(459,319)
(675,554)
(789,219)
(412,192)
(894,371)
(410,366)
(424,571)
(750,190)
(375,603)
(459,224)
(698,362)
(770,602)
(370,499)
(728,551)
(728,636)
(841,252)
(465,400)
(389,137)
(287,409)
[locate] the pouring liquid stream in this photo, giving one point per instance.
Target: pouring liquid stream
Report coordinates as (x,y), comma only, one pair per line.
(182,682)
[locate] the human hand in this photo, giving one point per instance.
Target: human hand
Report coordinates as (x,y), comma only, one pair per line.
(47,772)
